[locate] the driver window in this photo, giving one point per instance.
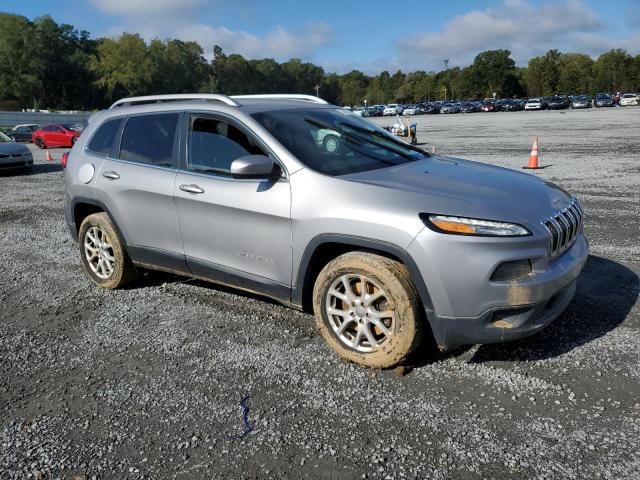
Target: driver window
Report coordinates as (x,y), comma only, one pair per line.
(215,144)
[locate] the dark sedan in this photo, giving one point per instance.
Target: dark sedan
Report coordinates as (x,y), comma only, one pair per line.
(558,103)
(603,100)
(22,133)
(469,107)
(490,107)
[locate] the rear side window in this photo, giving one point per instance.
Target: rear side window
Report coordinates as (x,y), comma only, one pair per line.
(149,139)
(102,141)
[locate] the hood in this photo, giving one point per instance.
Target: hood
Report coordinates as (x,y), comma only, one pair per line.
(8,148)
(454,186)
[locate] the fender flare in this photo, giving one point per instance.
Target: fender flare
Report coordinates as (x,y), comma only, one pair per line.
(301,280)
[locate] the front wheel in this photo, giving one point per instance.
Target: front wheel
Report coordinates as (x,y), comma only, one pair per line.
(103,255)
(40,143)
(367,309)
(331,144)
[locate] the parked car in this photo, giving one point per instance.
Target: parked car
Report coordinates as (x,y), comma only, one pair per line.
(535,104)
(55,135)
(581,101)
(14,155)
(413,110)
(469,107)
(489,106)
(603,100)
(629,99)
(22,133)
(431,108)
(142,190)
(450,108)
(392,109)
(558,103)
(511,105)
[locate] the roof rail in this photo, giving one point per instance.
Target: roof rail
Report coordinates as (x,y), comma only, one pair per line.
(283,96)
(174,98)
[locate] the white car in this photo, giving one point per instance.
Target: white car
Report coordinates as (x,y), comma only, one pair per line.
(629,99)
(392,109)
(534,104)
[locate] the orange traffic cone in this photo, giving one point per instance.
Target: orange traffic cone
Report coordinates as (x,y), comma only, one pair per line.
(49,157)
(533,157)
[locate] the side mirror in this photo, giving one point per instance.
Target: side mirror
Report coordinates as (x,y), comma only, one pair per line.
(255,166)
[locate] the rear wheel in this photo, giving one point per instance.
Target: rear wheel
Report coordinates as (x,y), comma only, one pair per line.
(40,143)
(367,309)
(103,255)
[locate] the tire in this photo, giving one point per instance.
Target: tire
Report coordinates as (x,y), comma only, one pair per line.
(40,143)
(400,299)
(95,231)
(331,144)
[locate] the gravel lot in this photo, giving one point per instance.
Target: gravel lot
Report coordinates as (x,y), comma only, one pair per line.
(174,378)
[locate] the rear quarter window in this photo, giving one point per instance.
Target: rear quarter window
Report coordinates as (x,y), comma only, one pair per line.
(103,139)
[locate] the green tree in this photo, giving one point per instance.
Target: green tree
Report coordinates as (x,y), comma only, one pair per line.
(124,66)
(576,73)
(21,64)
(493,71)
(615,71)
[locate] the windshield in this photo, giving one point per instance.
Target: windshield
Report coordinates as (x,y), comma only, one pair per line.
(4,138)
(335,142)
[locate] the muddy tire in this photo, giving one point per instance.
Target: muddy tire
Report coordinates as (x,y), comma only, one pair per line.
(105,260)
(368,310)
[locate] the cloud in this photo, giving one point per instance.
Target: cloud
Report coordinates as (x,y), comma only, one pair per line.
(278,43)
(525,29)
(146,7)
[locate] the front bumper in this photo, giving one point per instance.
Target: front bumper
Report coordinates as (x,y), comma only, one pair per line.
(468,307)
(15,161)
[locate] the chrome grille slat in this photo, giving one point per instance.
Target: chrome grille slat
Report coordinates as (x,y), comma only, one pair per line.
(564,226)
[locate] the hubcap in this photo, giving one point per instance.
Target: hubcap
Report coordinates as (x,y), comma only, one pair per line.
(359,312)
(99,253)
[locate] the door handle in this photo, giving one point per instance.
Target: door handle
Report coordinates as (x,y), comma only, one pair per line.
(111,175)
(191,188)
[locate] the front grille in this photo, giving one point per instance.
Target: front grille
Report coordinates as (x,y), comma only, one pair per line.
(564,226)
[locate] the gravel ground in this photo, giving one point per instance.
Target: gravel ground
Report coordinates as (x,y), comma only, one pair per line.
(174,378)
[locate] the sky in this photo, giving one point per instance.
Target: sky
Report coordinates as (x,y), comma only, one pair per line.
(371,36)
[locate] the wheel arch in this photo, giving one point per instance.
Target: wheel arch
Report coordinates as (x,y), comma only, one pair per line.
(82,207)
(325,247)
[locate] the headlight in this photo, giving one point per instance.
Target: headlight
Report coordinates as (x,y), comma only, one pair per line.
(472,226)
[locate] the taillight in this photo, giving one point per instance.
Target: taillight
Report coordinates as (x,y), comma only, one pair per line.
(64,159)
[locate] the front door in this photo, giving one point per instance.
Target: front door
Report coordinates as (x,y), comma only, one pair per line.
(237,232)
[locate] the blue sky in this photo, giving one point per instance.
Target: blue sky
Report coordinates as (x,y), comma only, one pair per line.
(370,36)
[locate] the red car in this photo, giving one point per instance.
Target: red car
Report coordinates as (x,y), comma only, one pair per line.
(55,135)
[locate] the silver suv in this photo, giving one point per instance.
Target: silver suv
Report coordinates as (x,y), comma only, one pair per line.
(309,204)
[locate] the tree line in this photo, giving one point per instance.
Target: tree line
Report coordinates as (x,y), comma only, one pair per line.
(44,64)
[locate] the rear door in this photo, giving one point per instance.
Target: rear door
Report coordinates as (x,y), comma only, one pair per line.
(136,184)
(234,231)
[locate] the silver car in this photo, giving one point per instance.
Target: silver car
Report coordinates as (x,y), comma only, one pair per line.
(14,155)
(387,245)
